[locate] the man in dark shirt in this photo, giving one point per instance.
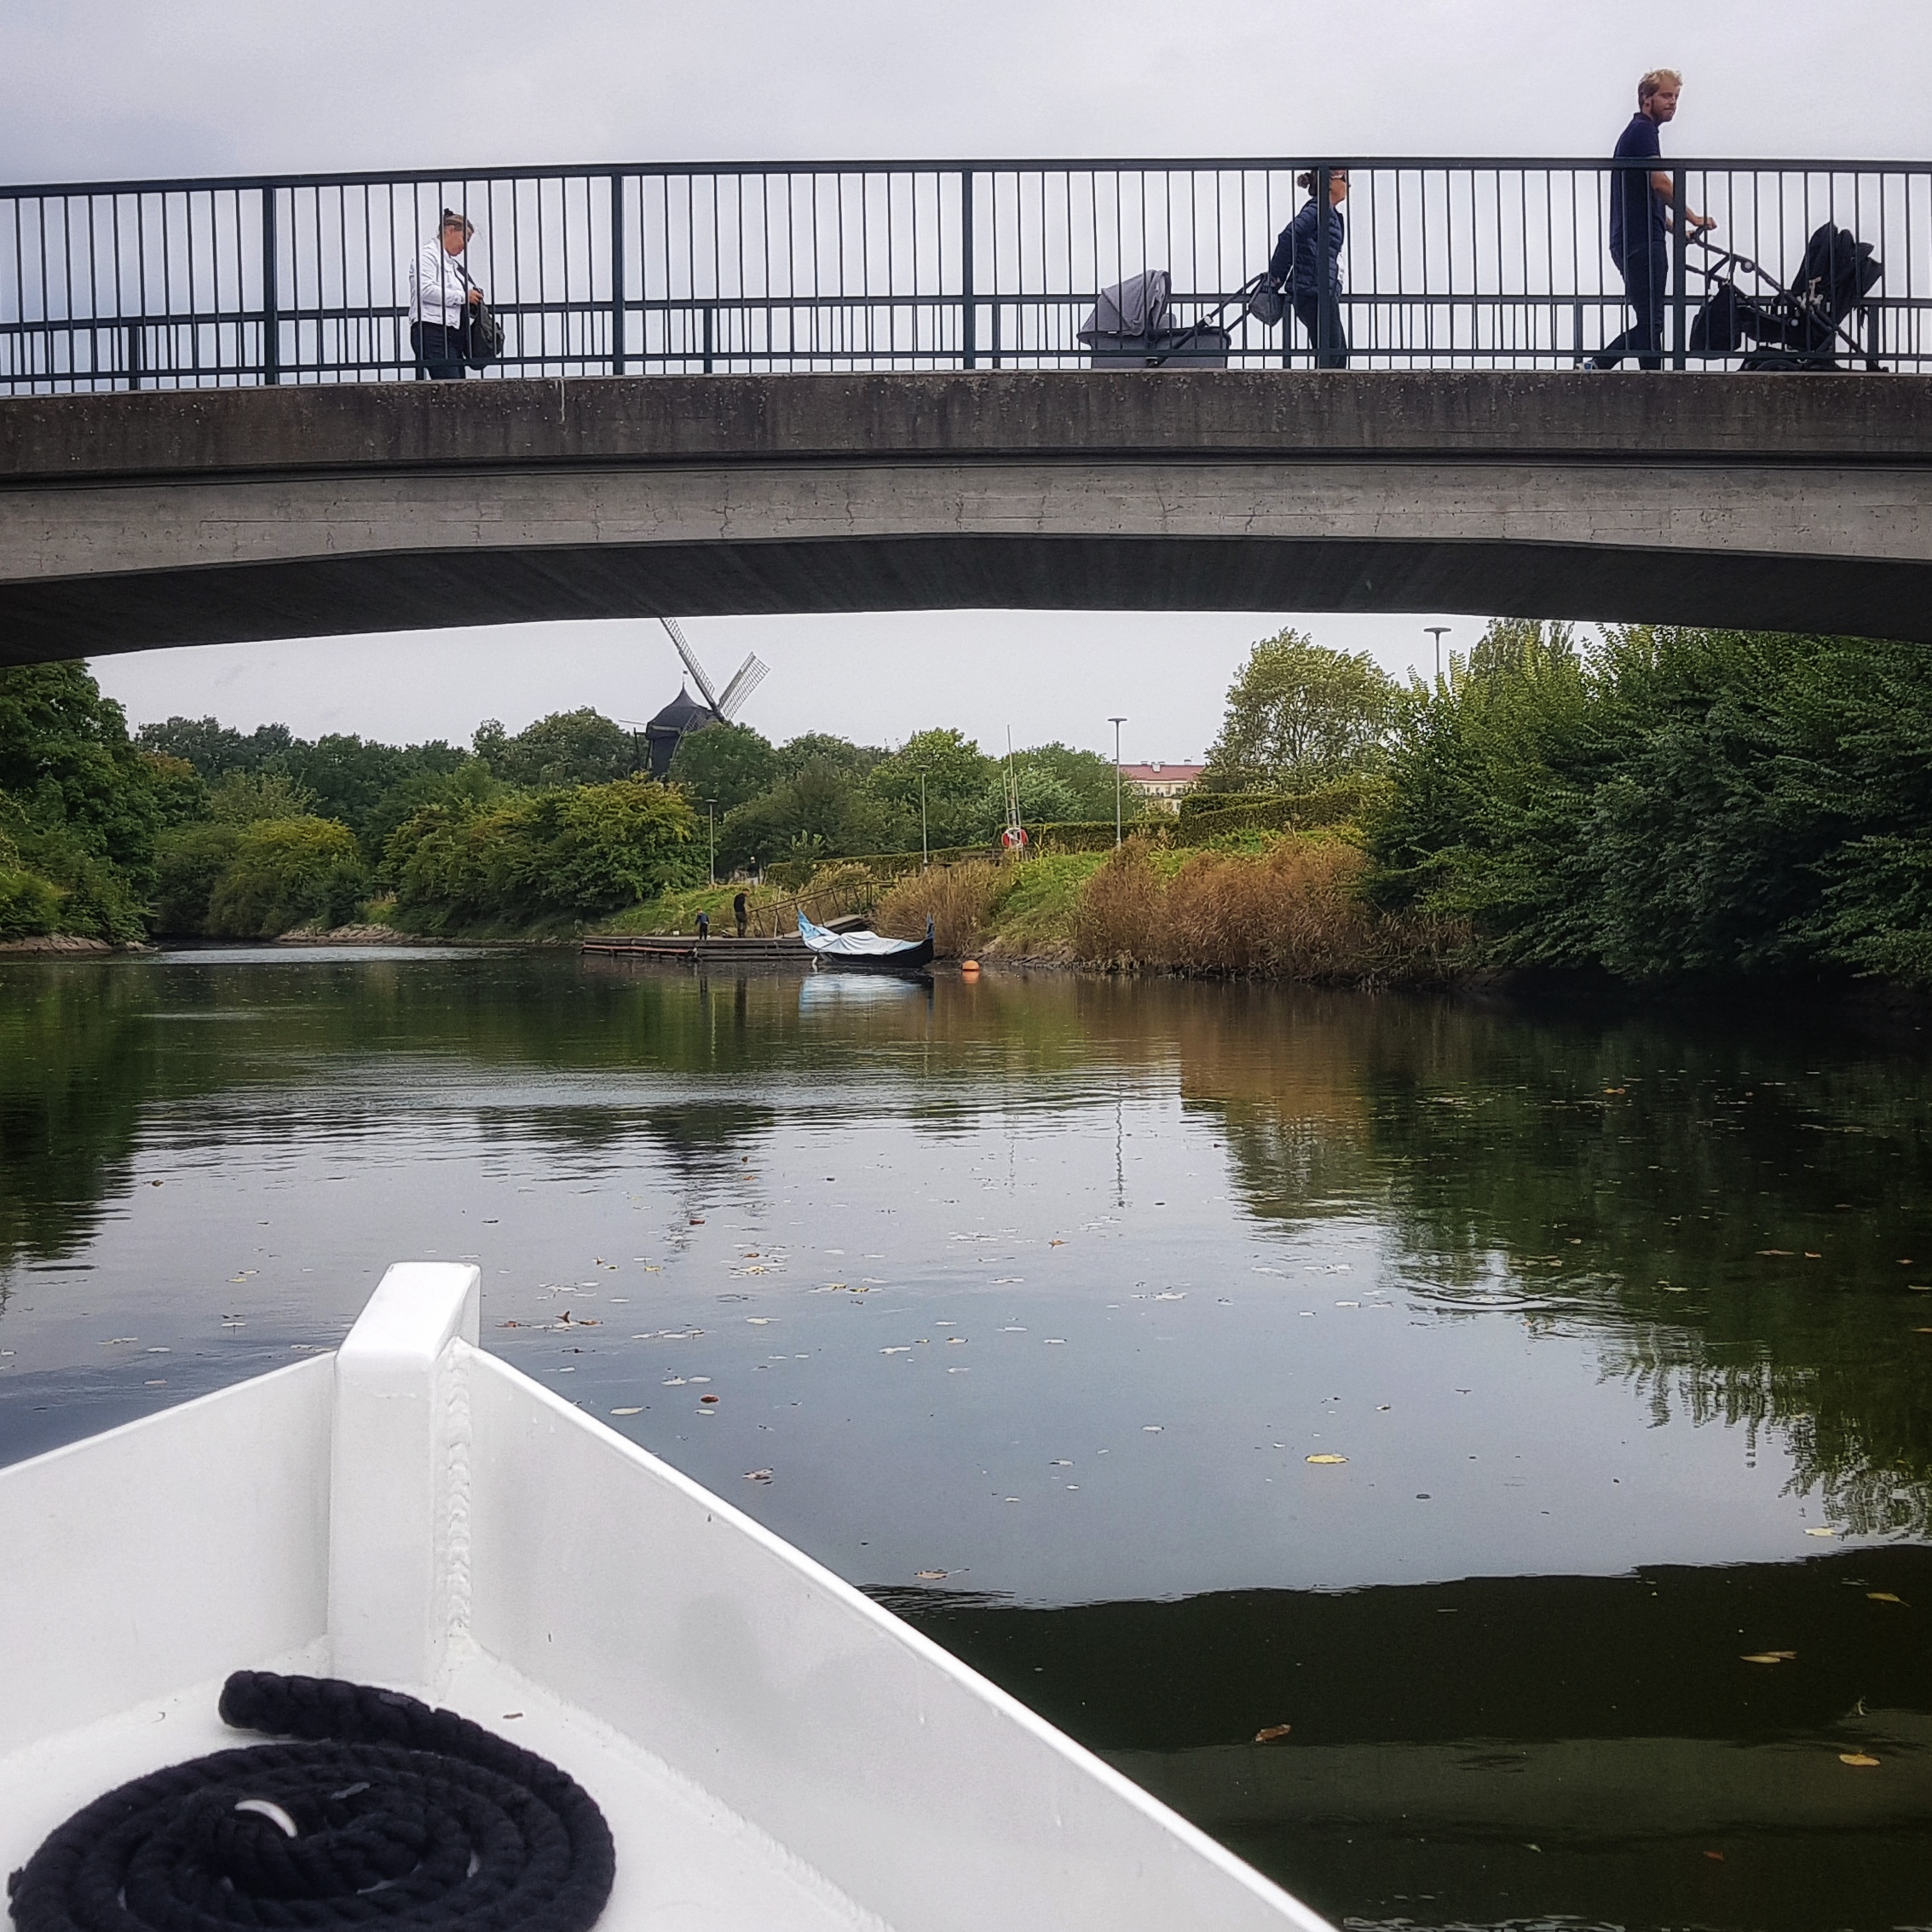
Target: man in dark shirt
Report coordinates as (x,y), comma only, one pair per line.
(1640,204)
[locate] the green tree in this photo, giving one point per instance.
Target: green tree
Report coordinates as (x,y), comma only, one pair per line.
(958,777)
(215,749)
(189,861)
(469,783)
(1045,798)
(567,747)
(81,809)
(821,811)
(603,846)
(726,764)
(180,793)
(826,747)
(1088,776)
(1670,802)
(244,798)
(287,873)
(1299,715)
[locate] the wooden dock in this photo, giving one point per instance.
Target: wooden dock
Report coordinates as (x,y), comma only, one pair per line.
(719,948)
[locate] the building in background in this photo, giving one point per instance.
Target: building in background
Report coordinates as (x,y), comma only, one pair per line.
(1162,785)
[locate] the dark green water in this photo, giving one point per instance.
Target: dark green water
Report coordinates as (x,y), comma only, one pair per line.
(1035,1298)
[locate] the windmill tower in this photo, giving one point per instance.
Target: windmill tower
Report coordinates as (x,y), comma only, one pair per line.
(685,714)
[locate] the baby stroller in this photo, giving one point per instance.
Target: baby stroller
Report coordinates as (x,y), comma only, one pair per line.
(1803,328)
(1129,329)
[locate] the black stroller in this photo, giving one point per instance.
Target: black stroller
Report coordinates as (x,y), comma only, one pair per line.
(1130,328)
(1805,328)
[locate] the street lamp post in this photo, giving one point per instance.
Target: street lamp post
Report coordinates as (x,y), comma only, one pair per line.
(925,847)
(1116,722)
(1438,631)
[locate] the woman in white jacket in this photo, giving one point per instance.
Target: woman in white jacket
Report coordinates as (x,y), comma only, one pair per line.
(440,297)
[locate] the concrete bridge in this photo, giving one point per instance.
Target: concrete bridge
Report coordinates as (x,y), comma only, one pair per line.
(133,521)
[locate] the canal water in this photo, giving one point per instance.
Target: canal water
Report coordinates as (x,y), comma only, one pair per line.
(1518,1420)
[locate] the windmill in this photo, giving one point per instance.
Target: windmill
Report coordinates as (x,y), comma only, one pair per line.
(685,714)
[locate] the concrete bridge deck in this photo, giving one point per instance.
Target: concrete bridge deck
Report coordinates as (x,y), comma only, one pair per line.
(130,522)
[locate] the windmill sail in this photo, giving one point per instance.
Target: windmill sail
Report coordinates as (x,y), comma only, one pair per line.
(691,664)
(748,677)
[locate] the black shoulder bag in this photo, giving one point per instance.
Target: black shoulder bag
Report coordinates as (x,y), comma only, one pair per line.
(482,331)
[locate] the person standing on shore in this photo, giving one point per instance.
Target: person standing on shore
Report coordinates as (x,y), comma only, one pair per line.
(1641,214)
(440,298)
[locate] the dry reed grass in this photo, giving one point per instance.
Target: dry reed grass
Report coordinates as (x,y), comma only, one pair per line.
(958,899)
(1293,911)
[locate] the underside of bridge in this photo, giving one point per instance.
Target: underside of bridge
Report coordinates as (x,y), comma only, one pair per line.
(131,522)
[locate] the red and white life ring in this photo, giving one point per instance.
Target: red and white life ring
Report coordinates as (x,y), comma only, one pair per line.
(1014,839)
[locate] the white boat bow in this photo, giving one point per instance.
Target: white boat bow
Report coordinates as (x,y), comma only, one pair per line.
(771,1748)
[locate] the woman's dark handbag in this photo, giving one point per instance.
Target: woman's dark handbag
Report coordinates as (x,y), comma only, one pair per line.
(482,335)
(1267,305)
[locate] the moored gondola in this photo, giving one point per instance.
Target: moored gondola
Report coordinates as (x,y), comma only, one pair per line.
(865,951)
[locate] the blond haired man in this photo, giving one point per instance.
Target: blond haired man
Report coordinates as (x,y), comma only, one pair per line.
(1640,206)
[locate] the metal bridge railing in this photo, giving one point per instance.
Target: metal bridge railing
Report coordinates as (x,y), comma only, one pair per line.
(1447,263)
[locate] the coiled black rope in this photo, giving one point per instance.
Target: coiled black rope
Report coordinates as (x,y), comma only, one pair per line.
(401,1816)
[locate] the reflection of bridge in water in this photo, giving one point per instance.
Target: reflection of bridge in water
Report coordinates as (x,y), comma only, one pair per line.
(858,387)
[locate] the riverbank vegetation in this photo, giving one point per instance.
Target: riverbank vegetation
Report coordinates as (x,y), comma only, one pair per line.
(1661,805)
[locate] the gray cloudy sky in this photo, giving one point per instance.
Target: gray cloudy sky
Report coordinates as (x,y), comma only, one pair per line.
(96,88)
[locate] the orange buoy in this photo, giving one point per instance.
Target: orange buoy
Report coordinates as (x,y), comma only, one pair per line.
(969,965)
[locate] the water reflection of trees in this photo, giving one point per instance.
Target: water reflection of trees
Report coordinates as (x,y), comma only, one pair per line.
(1619,1175)
(1728,1206)
(73,1076)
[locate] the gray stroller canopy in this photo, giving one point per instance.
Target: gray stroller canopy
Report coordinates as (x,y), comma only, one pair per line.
(1136,307)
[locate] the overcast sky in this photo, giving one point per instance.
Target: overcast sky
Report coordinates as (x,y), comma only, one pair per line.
(98,88)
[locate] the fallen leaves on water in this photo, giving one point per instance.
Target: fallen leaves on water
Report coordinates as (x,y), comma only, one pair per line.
(758,1475)
(638,1411)
(1770,1657)
(1269,1732)
(928,1576)
(1327,1458)
(1885,1597)
(710,1399)
(1864,1759)
(1785,1251)
(1821,1532)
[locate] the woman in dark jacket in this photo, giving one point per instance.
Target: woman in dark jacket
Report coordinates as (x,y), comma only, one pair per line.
(1312,287)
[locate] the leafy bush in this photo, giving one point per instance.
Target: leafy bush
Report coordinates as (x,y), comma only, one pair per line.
(577,853)
(287,873)
(29,906)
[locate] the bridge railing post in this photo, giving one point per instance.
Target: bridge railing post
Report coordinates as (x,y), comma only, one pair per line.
(969,308)
(1680,247)
(271,313)
(616,274)
(1324,294)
